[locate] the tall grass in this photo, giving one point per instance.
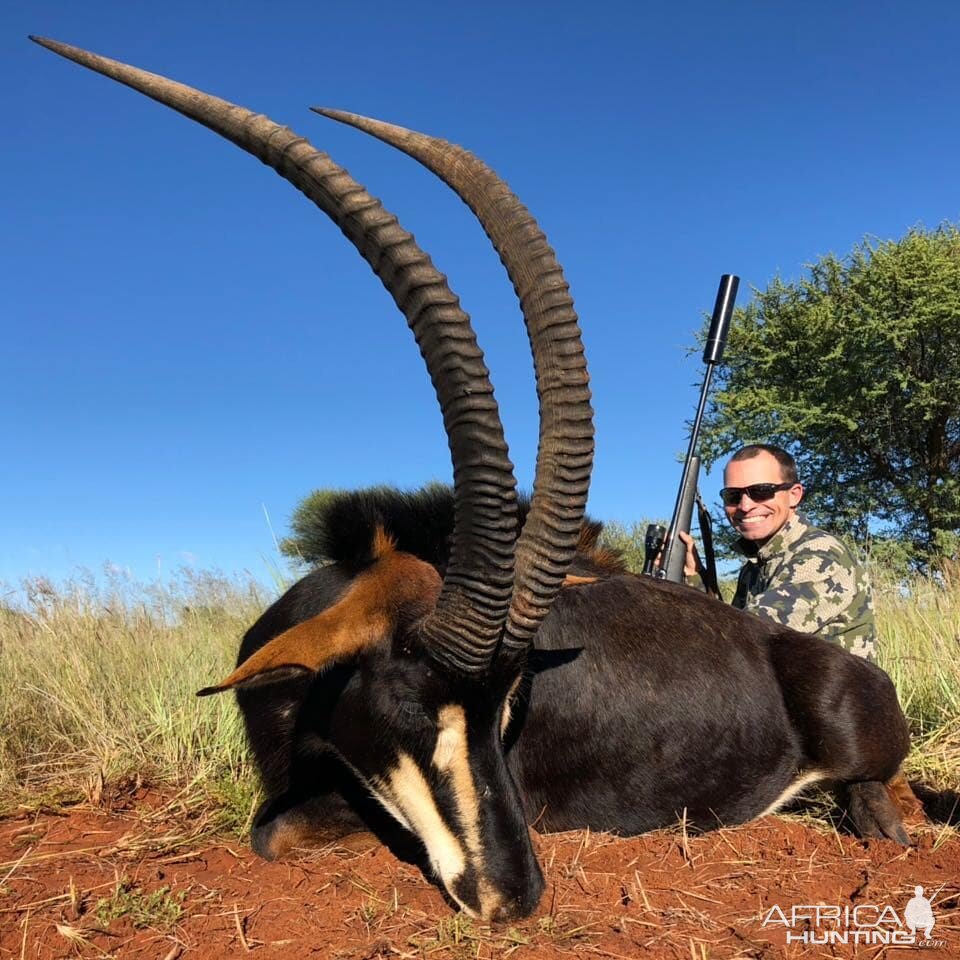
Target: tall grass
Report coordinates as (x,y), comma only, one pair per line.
(919,625)
(97,683)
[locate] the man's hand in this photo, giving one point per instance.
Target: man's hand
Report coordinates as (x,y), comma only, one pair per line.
(691,561)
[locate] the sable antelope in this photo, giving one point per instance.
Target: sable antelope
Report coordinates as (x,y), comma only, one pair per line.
(473,663)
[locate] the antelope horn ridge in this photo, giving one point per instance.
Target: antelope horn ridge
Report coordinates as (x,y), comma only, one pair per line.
(466,625)
(565,452)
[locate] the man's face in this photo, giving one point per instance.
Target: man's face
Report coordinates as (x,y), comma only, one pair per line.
(758,521)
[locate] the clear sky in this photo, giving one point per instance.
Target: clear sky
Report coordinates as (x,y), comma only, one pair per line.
(189,346)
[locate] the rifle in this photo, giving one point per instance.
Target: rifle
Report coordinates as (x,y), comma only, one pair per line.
(666,542)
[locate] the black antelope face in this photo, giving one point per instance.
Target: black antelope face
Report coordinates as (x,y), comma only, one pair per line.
(425,741)
(430,751)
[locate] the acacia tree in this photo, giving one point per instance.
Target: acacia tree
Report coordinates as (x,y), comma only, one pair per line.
(855,370)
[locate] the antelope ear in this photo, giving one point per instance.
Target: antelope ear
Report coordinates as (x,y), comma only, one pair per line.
(396,584)
(308,647)
(271,675)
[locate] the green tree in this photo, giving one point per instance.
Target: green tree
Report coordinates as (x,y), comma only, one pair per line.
(627,539)
(856,370)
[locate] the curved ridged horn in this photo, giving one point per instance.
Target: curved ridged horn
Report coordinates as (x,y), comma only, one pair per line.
(468,620)
(565,452)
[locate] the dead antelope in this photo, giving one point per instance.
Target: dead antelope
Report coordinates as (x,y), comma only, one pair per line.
(473,664)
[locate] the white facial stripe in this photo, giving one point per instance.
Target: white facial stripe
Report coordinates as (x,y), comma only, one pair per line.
(450,741)
(508,707)
(452,758)
(412,794)
(412,803)
(378,788)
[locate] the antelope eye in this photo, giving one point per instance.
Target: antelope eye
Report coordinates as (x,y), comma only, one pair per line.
(414,710)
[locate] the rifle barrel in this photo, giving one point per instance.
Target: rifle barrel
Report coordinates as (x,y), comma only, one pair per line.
(712,352)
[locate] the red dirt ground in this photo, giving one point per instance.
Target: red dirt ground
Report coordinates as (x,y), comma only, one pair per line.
(660,895)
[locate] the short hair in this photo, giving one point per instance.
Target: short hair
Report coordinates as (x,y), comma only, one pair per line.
(788,466)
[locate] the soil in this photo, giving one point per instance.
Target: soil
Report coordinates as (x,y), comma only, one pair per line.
(136,880)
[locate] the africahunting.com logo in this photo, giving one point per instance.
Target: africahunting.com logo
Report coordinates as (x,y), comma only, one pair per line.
(865,923)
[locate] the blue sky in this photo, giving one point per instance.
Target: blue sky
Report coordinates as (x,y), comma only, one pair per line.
(190,345)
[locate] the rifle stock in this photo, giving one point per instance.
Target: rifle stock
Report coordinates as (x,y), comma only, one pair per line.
(674,552)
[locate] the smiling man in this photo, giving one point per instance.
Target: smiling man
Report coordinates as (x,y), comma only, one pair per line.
(795,573)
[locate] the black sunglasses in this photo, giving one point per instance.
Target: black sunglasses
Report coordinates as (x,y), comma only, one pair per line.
(758,492)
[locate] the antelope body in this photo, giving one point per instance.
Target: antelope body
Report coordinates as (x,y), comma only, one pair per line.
(641,703)
(470,663)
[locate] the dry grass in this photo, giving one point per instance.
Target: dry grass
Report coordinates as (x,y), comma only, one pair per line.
(919,625)
(97,684)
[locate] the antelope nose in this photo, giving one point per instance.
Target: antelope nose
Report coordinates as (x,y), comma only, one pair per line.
(508,910)
(522,904)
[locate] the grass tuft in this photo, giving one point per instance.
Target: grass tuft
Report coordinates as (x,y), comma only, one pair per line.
(160,909)
(98,685)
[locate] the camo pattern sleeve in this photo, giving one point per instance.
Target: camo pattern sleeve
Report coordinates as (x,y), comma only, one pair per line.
(808,580)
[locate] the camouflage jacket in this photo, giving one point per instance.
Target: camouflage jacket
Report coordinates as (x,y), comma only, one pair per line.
(808,580)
